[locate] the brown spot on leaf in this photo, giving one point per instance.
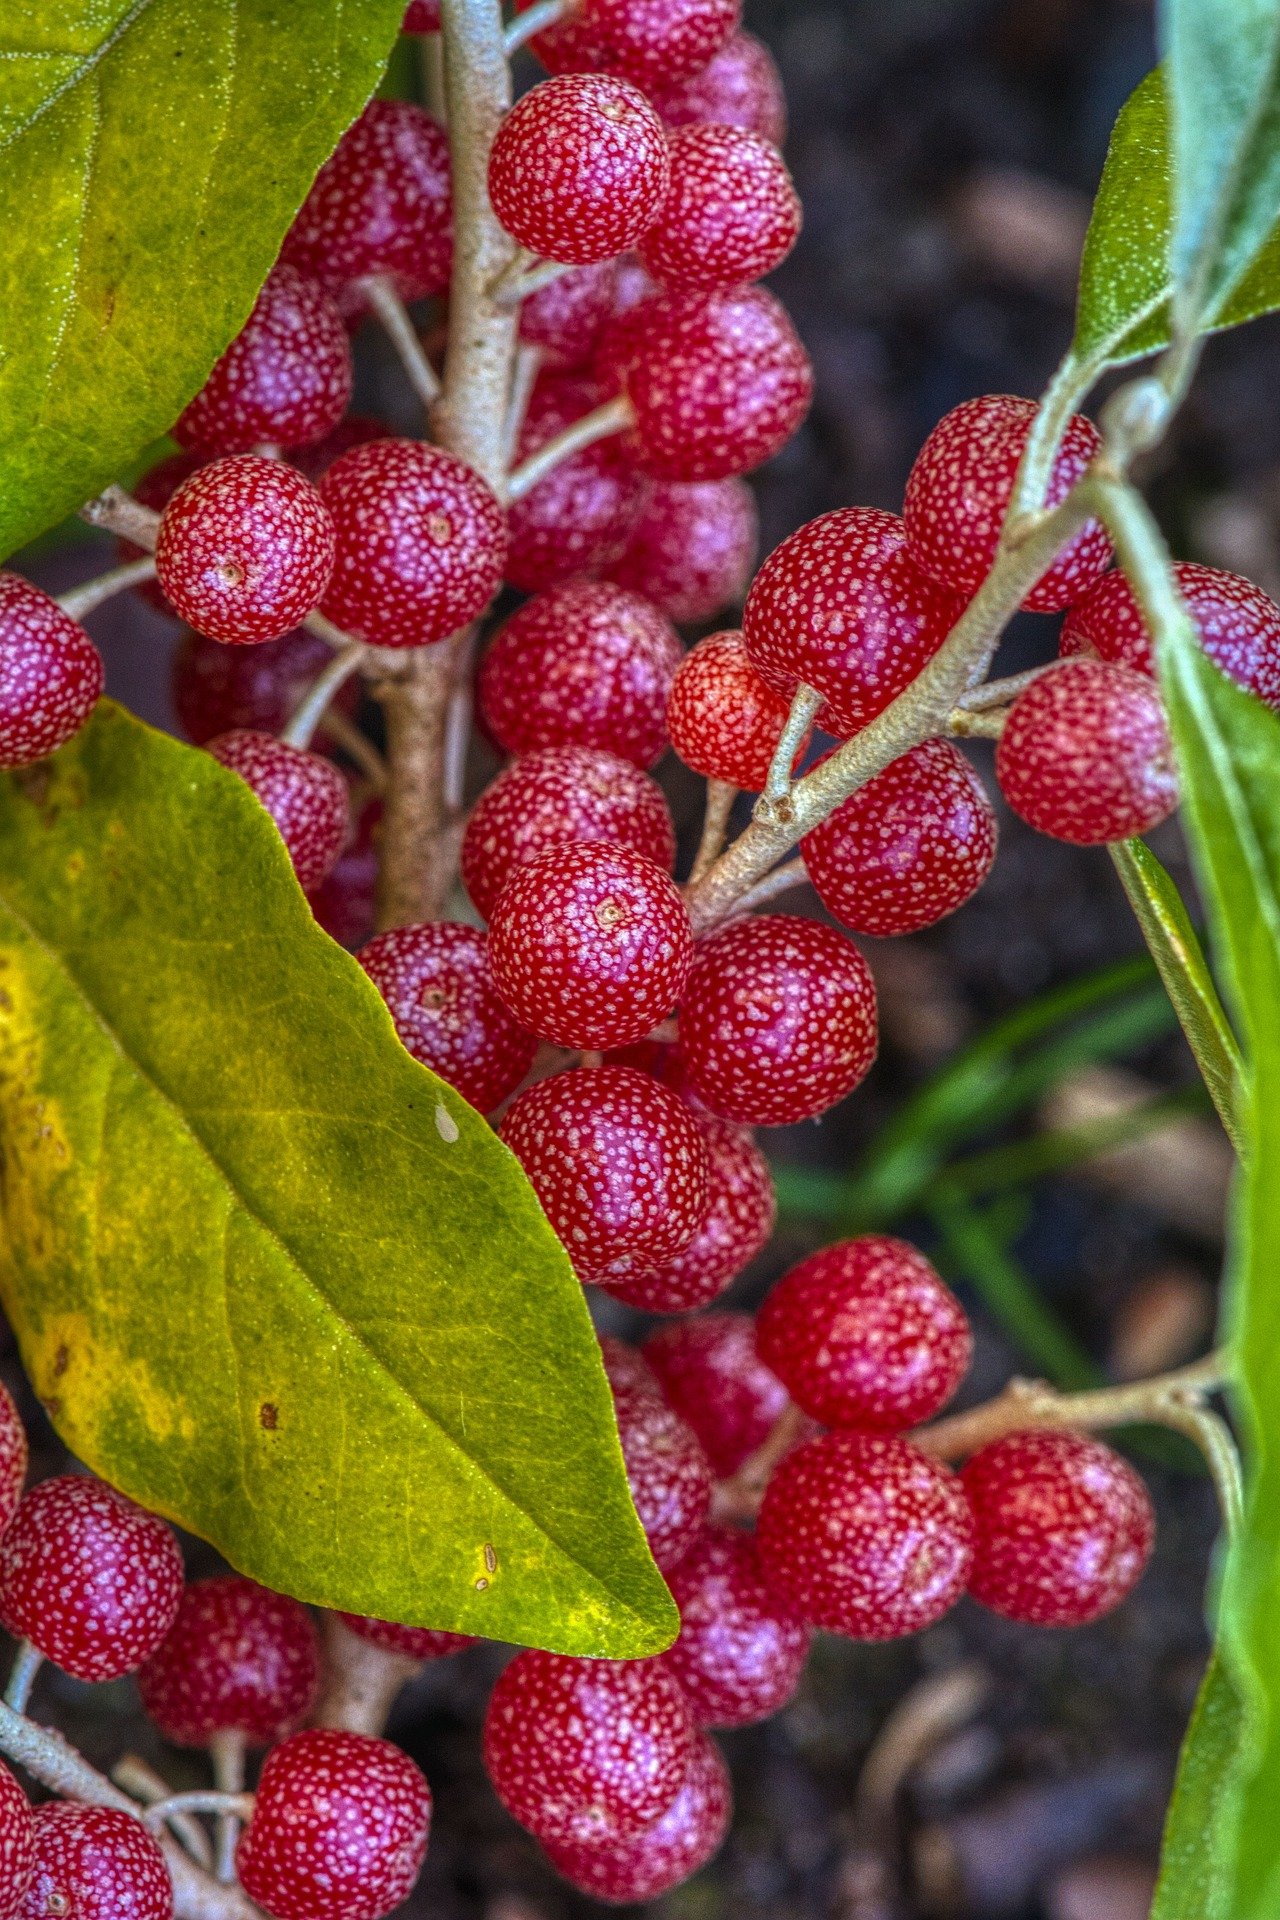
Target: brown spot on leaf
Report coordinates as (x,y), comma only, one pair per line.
(61,1361)
(268,1416)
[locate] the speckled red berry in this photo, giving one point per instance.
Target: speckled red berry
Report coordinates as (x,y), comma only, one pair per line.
(421,543)
(554,796)
(217,688)
(586,1751)
(564,319)
(692,547)
(237,1659)
(1063,1527)
(356,430)
(710,1372)
(1086,756)
(778,1020)
(739,87)
(305,795)
(724,718)
(741,1650)
(578,517)
(13,1457)
(421,16)
(1238,625)
(908,848)
(155,488)
(380,205)
(91,1580)
(244,549)
(344,902)
(627,1369)
(415,1643)
(437,984)
(17,1845)
(285,379)
(730,215)
(339,1828)
(665,1853)
(50,673)
(578,168)
(617,1163)
(841,606)
(959,490)
(668,1473)
(865,1334)
(93,1863)
(865,1535)
(646,40)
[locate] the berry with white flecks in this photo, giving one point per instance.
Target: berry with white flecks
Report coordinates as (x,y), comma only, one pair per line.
(1238,625)
(415,1643)
(724,718)
(1086,756)
(647,40)
(709,1371)
(50,673)
(579,515)
(17,1845)
(564,318)
(421,16)
(95,1863)
(665,1853)
(730,215)
(740,86)
(344,902)
(692,547)
(305,795)
(155,488)
(741,1650)
(667,1471)
(13,1457)
(217,689)
(238,1659)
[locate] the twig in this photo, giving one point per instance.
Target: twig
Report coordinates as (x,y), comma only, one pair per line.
(615,416)
(793,873)
(238,1805)
(457,726)
(524,378)
(227,1751)
(963,725)
(526,274)
(721,795)
(415,705)
(361,1680)
(314,704)
(358,747)
(145,1784)
(403,335)
(534,20)
(120,513)
(799,724)
(1002,693)
(82,600)
(739,1498)
(26,1665)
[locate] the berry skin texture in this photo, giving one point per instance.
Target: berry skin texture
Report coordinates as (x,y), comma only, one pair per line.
(709,1371)
(692,547)
(590,945)
(739,87)
(305,795)
(731,213)
(339,1828)
(565,318)
(556,795)
(439,988)
(667,1470)
(961,484)
(244,549)
(381,204)
(421,16)
(865,1535)
(659,1858)
(841,606)
(586,1752)
(421,543)
(415,1643)
(17,1845)
(285,380)
(93,1863)
(13,1457)
(91,1580)
(50,673)
(1238,625)
(579,516)
(741,1652)
(865,1334)
(155,488)
(217,689)
(617,1162)
(1064,1528)
(908,848)
(778,1020)
(1085,755)
(724,718)
(344,902)
(237,1659)
(646,40)
(579,168)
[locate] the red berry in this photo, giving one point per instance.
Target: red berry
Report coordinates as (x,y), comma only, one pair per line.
(244,549)
(579,516)
(91,1580)
(415,1643)
(440,992)
(617,1163)
(1086,756)
(421,543)
(666,1852)
(93,1863)
(667,1470)
(356,430)
(305,795)
(741,1651)
(710,1373)
(724,718)
(557,795)
(17,1845)
(865,1334)
(13,1457)
(285,379)
(578,168)
(865,1535)
(626,1367)
(1064,1528)
(731,213)
(737,1223)
(959,490)
(155,488)
(565,317)
(237,1659)
(692,547)
(217,688)
(778,1020)
(719,382)
(1238,625)
(647,40)
(339,1828)
(50,673)
(380,205)
(907,848)
(739,87)
(343,903)
(421,16)
(841,606)
(584,1752)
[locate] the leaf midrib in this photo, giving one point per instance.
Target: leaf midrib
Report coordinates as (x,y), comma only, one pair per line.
(87,64)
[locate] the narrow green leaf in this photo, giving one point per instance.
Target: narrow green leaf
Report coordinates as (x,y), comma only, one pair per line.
(152,155)
(268,1274)
(1198,1827)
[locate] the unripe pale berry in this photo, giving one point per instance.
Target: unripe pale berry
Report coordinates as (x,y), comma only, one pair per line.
(667,1471)
(89,1578)
(709,1371)
(960,487)
(217,689)
(339,1828)
(305,795)
(907,848)
(237,1659)
(415,1643)
(730,214)
(578,168)
(692,547)
(554,796)
(1085,755)
(579,515)
(564,319)
(420,543)
(1063,1527)
(586,1752)
(244,549)
(778,1020)
(95,1863)
(50,673)
(13,1457)
(617,1163)
(665,1853)
(841,606)
(741,1650)
(17,1845)
(865,1334)
(647,40)
(724,718)
(739,87)
(439,989)
(1238,625)
(865,1535)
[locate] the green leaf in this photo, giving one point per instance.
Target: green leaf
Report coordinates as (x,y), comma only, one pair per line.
(1198,1828)
(268,1274)
(152,155)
